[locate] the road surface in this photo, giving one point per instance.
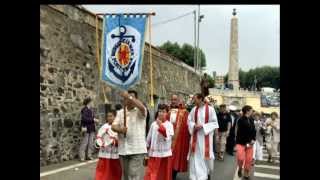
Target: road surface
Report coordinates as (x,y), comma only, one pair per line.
(223,170)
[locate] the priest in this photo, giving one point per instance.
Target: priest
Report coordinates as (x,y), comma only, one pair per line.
(178,116)
(202,122)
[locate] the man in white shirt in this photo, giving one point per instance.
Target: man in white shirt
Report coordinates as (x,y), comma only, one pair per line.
(202,122)
(132,144)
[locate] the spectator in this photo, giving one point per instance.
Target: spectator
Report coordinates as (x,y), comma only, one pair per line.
(88,128)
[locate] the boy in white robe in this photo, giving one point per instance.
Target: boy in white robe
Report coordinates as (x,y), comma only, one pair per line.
(159,141)
(202,122)
(108,166)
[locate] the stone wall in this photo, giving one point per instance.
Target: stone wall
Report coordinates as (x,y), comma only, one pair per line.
(69,73)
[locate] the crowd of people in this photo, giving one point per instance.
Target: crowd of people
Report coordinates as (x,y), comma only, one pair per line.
(182,137)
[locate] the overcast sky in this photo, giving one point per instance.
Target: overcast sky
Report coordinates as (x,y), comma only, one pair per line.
(259,31)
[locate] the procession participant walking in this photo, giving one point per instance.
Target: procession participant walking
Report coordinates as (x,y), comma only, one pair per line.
(132,144)
(245,138)
(159,139)
(88,128)
(224,121)
(180,141)
(231,138)
(202,121)
(258,153)
(108,166)
(272,136)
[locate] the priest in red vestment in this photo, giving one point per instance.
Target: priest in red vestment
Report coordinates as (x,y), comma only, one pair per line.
(178,116)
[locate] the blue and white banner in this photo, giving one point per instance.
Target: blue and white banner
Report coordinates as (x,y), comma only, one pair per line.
(122,49)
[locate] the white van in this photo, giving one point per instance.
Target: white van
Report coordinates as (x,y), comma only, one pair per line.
(268,89)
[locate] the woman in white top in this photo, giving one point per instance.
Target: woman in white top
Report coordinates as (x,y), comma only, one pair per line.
(108,166)
(258,146)
(159,147)
(272,135)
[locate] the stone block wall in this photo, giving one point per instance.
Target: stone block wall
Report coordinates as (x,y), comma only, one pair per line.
(69,73)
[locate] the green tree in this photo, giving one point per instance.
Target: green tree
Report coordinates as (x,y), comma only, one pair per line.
(266,76)
(184,53)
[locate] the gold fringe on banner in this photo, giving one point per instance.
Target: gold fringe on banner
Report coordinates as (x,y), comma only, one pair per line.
(151,66)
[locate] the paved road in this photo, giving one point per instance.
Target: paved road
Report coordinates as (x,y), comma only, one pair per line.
(223,170)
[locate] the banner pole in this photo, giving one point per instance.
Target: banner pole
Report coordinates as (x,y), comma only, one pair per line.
(151,65)
(124,116)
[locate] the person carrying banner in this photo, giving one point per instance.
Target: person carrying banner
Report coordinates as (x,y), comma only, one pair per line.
(108,166)
(178,116)
(202,122)
(159,163)
(132,143)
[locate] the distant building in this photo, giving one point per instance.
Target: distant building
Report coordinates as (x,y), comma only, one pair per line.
(219,81)
(214,73)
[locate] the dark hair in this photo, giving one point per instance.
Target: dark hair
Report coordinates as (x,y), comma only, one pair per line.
(223,106)
(86,101)
(113,111)
(118,106)
(161,107)
(133,92)
(199,96)
(245,109)
(274,113)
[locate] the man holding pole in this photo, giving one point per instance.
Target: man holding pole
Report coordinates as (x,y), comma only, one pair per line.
(130,124)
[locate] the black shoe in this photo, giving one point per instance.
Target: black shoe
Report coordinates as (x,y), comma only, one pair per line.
(247,178)
(239,173)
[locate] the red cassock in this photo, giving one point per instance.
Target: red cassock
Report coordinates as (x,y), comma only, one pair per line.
(159,168)
(181,140)
(108,169)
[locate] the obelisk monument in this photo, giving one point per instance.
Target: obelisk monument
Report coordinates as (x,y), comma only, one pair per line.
(233,75)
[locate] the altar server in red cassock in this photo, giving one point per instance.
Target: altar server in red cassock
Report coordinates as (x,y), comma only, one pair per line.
(178,116)
(108,166)
(202,122)
(159,147)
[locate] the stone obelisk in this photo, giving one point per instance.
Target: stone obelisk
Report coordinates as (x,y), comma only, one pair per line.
(233,75)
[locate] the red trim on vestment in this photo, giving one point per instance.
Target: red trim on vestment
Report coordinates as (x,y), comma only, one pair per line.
(194,137)
(162,130)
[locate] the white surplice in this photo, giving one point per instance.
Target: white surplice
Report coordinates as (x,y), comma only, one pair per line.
(160,146)
(199,167)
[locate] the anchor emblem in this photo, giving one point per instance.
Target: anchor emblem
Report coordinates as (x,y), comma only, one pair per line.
(123,31)
(122,55)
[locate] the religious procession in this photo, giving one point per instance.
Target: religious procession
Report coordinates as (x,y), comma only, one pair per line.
(180,140)
(130,132)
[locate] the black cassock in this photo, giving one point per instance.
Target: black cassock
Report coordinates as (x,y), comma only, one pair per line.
(231,138)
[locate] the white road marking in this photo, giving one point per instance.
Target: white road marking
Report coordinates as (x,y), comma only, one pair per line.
(67,168)
(271,176)
(267,166)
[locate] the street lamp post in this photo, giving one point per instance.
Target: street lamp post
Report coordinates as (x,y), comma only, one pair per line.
(198,51)
(195,39)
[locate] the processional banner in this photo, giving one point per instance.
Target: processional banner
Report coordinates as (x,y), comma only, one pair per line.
(122,49)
